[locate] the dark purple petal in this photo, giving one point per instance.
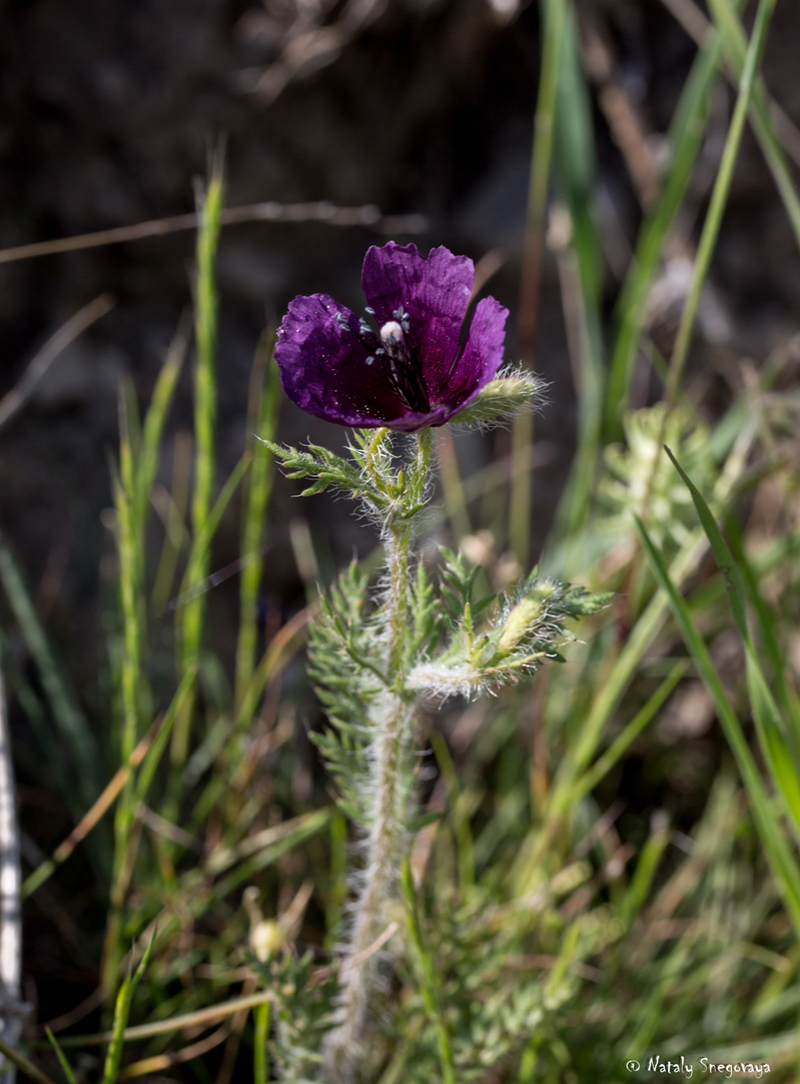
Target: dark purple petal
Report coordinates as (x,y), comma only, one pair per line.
(434,292)
(324,366)
(482,355)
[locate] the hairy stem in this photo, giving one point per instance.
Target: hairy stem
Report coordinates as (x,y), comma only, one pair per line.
(388,818)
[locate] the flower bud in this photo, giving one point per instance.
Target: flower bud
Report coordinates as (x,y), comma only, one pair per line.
(501,398)
(266,938)
(525,616)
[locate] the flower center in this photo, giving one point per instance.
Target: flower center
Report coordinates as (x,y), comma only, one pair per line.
(400,356)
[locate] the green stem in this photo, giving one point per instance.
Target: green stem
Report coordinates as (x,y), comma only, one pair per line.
(389,785)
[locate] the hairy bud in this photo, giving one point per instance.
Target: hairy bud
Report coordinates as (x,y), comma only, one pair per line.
(525,617)
(501,398)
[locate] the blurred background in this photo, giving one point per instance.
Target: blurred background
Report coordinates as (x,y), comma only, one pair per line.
(108,112)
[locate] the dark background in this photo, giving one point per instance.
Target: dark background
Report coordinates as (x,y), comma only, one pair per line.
(108,109)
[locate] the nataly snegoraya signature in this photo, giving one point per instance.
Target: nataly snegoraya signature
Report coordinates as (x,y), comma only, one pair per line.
(685,1068)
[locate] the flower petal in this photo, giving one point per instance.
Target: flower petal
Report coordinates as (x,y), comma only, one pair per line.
(324,369)
(434,292)
(481,357)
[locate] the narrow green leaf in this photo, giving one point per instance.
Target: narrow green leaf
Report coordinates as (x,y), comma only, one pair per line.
(255,510)
(154,421)
(154,753)
(735,45)
(719,198)
(781,858)
(205,418)
(719,547)
(121,1013)
(769,724)
(62,1058)
(68,717)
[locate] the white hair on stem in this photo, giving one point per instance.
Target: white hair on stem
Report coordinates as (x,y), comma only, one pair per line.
(388,791)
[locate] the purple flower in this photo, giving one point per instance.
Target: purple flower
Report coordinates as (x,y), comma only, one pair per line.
(409,371)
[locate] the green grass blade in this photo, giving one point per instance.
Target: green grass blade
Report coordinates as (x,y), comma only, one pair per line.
(522,428)
(154,421)
(62,1058)
(685,138)
(719,547)
(68,717)
(425,969)
(719,197)
(121,1013)
(735,45)
(254,530)
(129,547)
(769,724)
(23,1063)
(205,329)
(580,269)
(205,416)
(154,753)
(783,861)
(461,828)
(173,516)
(645,871)
(203,540)
(768,624)
(261,1014)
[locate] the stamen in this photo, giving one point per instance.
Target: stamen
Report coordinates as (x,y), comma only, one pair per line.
(402,362)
